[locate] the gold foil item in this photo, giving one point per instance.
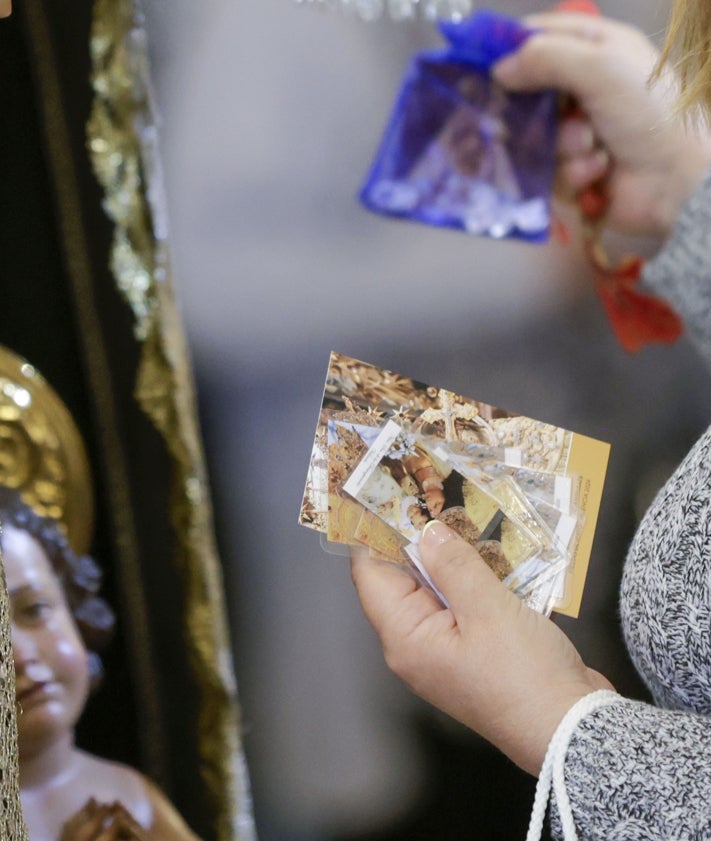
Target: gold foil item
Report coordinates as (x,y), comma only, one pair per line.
(121,139)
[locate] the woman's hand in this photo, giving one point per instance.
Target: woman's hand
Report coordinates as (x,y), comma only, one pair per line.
(628,131)
(102,822)
(5,8)
(489,661)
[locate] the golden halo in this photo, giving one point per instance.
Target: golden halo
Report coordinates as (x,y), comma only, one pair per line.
(42,454)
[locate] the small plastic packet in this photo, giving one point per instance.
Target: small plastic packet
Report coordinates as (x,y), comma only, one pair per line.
(460,152)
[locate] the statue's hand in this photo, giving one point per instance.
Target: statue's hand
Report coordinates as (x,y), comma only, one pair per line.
(103,822)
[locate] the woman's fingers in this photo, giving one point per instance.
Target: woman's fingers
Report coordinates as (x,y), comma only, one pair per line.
(379,583)
(550,60)
(575,174)
(650,160)
(395,604)
(487,659)
(581,160)
(576,137)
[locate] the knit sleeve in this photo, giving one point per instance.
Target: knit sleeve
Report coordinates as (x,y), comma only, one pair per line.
(637,773)
(681,272)
(634,771)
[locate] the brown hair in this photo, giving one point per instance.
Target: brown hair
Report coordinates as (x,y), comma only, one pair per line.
(688,50)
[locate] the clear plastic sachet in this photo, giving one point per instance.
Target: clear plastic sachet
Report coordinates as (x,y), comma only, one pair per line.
(460,152)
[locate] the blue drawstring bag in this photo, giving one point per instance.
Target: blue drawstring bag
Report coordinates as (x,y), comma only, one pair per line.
(460,152)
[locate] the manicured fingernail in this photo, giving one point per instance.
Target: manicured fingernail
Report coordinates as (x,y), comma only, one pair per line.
(434,533)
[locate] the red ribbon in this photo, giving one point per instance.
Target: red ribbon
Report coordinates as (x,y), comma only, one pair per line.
(637,318)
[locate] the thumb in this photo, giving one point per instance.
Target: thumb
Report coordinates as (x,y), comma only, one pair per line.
(458,571)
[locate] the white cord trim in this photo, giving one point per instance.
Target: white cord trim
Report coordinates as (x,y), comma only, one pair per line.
(552,772)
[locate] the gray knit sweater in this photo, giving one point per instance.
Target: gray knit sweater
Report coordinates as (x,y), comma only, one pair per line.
(637,772)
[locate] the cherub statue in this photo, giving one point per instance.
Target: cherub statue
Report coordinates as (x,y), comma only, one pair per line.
(58,623)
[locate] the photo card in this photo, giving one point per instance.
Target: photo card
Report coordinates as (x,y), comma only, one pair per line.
(544,482)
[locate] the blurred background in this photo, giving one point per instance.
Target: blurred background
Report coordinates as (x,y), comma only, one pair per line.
(270,115)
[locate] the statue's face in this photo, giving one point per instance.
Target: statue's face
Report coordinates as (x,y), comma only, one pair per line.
(5,8)
(51,664)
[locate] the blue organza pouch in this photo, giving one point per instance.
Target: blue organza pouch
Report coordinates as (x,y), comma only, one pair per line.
(459,152)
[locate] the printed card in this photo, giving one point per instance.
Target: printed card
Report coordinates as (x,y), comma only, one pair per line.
(390,452)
